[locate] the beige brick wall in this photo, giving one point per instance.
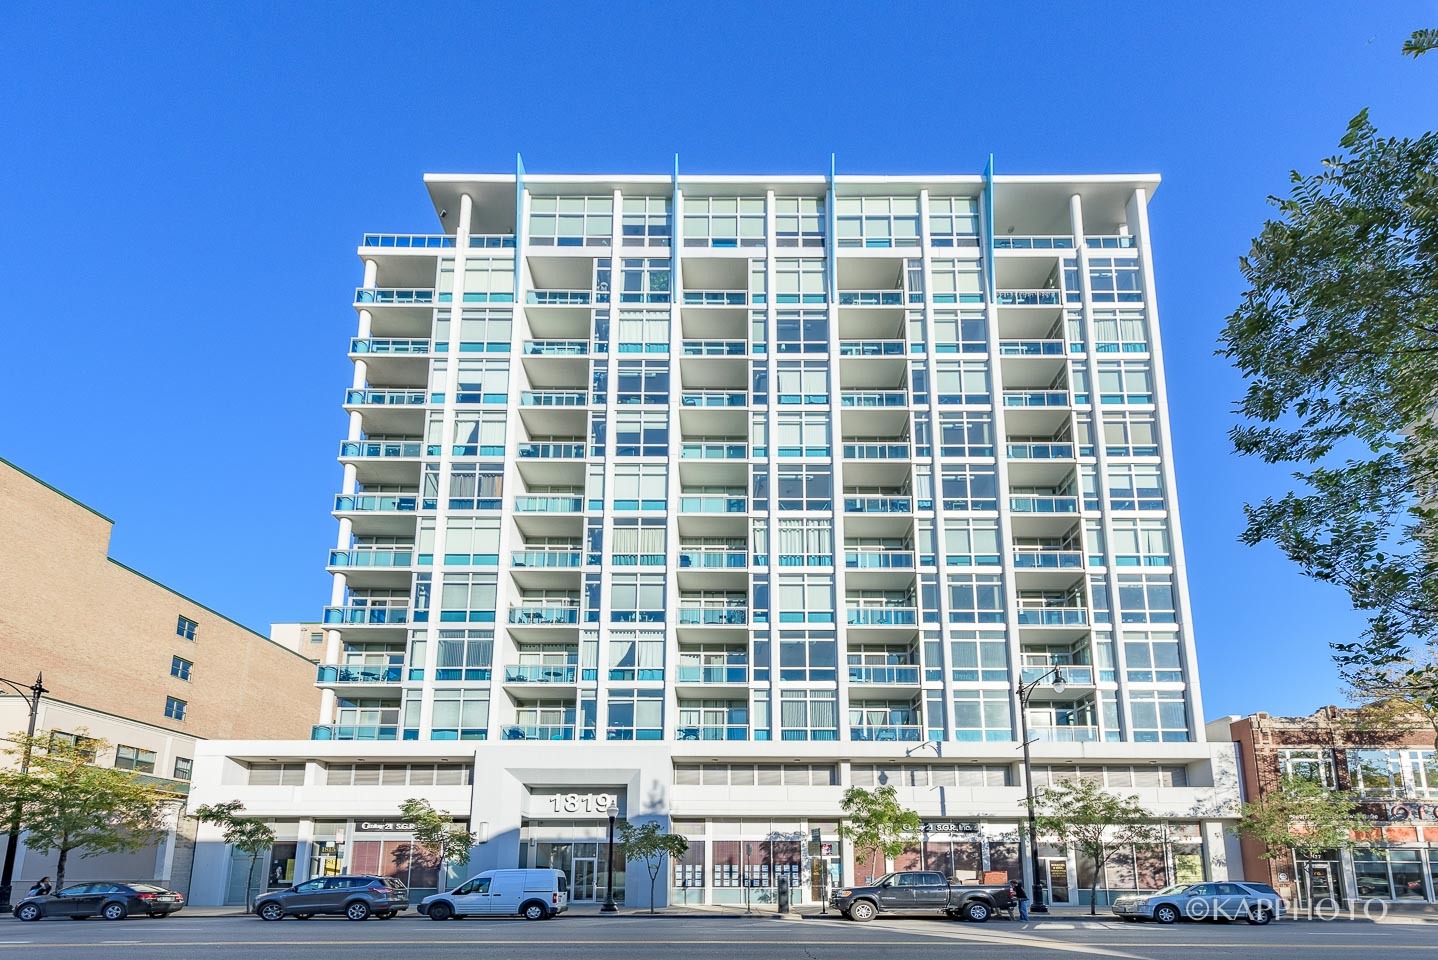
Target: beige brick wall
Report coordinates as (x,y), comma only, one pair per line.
(104,635)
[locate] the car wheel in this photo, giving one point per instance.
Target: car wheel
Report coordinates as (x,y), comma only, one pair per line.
(976,911)
(441,911)
(113,911)
(534,910)
(271,911)
(1166,913)
(29,911)
(359,910)
(862,911)
(1259,916)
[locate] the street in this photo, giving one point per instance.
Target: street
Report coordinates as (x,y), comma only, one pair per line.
(699,937)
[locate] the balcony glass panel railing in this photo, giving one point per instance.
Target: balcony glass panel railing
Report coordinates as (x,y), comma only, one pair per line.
(713,450)
(545,558)
(548,504)
(690,613)
(409,241)
(876,451)
(713,398)
(1036,398)
(906,734)
(1032,348)
(1111,242)
(872,348)
(1029,298)
(871,298)
(878,505)
(715,348)
(362,615)
(712,559)
(878,559)
(873,398)
(1026,504)
(361,557)
(388,345)
(716,673)
(559,298)
(1070,734)
(394,296)
(713,504)
(556,348)
(1053,616)
(389,398)
(884,674)
(1034,242)
(716,298)
(544,613)
(1041,451)
(358,673)
(368,449)
(377,502)
(516,732)
(345,731)
(882,616)
(551,451)
(552,398)
(712,733)
(540,673)
(1048,559)
(1074,673)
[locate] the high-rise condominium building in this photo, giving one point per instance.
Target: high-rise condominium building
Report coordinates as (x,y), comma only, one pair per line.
(707,498)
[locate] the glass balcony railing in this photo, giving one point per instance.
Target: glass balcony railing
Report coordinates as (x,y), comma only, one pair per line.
(359,673)
(1032,348)
(394,296)
(715,450)
(556,348)
(534,504)
(899,673)
(1076,674)
(882,616)
(872,348)
(1048,559)
(380,449)
(389,345)
(712,733)
(1041,451)
(1036,398)
(905,734)
(878,505)
(715,348)
(876,451)
(1029,298)
(1034,242)
(1115,242)
(551,451)
(873,398)
(519,732)
(712,559)
(361,557)
(545,558)
(544,614)
(345,731)
(435,241)
(552,398)
(353,615)
(878,559)
(1027,504)
(716,503)
(716,298)
(377,502)
(559,298)
(871,298)
(1069,734)
(718,673)
(389,398)
(1053,616)
(713,398)
(540,673)
(689,614)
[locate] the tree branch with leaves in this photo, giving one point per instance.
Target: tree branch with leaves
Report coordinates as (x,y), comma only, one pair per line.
(438,834)
(649,844)
(876,822)
(247,835)
(1303,816)
(1094,822)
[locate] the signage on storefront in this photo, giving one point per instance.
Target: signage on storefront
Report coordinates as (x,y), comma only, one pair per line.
(951,826)
(384,826)
(573,803)
(1411,811)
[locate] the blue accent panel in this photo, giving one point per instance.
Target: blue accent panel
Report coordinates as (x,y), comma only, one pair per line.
(830,245)
(989,225)
(519,228)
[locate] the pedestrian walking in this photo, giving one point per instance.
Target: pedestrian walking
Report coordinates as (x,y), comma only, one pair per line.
(41,888)
(1016,887)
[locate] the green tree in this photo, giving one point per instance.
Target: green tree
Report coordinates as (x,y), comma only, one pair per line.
(69,805)
(1094,822)
(876,823)
(649,844)
(436,833)
(1304,816)
(1337,336)
(1394,701)
(248,835)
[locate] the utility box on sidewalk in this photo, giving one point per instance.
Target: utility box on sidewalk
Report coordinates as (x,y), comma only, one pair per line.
(783,892)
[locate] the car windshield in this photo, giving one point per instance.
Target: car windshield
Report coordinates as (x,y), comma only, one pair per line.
(1171,889)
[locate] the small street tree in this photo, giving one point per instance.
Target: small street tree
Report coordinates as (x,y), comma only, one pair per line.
(1094,822)
(69,805)
(875,822)
(248,835)
(1302,816)
(436,833)
(649,844)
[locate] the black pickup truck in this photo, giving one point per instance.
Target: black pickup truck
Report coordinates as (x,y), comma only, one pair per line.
(921,891)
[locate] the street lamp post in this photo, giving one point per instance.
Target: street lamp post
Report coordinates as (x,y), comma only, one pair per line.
(1024,691)
(609,907)
(32,695)
(924,847)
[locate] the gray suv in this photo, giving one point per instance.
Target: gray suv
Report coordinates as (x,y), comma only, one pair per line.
(1258,903)
(357,898)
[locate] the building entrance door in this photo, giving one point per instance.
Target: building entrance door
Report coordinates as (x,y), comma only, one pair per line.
(1318,883)
(1058,880)
(583,880)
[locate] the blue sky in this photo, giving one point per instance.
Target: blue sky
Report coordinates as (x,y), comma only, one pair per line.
(182,188)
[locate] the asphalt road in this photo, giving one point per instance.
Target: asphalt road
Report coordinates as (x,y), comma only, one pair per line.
(699,938)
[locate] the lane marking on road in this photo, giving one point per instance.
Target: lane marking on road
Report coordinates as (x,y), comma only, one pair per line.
(1004,938)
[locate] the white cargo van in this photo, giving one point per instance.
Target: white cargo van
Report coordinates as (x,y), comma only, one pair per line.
(531,894)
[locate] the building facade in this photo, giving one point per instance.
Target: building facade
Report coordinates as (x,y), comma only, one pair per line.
(129,661)
(714,496)
(1393,772)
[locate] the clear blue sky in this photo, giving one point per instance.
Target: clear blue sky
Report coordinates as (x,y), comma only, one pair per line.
(182,188)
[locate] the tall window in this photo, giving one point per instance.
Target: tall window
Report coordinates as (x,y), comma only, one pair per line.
(799,281)
(641,434)
(980,656)
(971,542)
(461,655)
(1135,486)
(1159,716)
(460,715)
(468,597)
(635,714)
(962,381)
(640,486)
(643,332)
(799,222)
(954,221)
(970,488)
(976,598)
(646,221)
(982,715)
(808,715)
(1125,382)
(636,655)
(724,222)
(472,486)
(480,330)
(802,331)
(956,332)
(1140,543)
(1114,280)
(966,434)
(804,435)
(486,280)
(636,598)
(877,221)
(481,381)
(806,543)
(571,221)
(803,382)
(475,435)
(638,543)
(806,599)
(644,280)
(1119,331)
(1129,434)
(643,381)
(956,281)
(805,488)
(471,541)
(1152,657)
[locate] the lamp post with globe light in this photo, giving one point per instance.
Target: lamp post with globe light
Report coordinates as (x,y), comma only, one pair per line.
(1024,691)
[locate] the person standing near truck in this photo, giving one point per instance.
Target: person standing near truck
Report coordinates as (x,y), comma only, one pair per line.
(1022,896)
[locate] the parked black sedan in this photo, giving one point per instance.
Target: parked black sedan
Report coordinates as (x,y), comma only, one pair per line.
(113,901)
